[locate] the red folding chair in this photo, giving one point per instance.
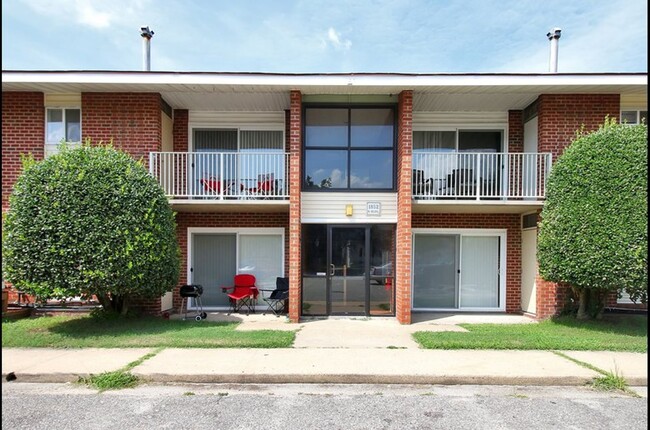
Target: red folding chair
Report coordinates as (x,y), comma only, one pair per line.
(265,185)
(243,293)
(213,186)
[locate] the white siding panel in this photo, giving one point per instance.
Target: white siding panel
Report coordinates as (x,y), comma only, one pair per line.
(457,119)
(529,271)
(330,207)
(249,120)
(63,100)
(634,101)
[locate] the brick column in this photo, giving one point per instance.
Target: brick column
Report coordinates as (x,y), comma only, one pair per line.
(295,150)
(181,120)
(515,131)
(403,231)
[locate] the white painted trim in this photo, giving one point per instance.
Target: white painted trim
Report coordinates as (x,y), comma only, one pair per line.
(387,220)
(503,236)
(466,231)
(343,80)
(237,231)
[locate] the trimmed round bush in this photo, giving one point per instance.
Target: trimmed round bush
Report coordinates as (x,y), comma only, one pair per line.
(90,221)
(593,233)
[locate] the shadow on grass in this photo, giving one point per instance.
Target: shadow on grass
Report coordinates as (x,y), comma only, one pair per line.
(629,325)
(135,332)
(97,327)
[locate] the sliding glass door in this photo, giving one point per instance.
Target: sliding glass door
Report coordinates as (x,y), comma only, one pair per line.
(457,271)
(217,255)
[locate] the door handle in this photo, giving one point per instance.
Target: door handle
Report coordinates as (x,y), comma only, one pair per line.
(332,268)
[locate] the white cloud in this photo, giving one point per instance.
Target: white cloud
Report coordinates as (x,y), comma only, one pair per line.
(335,39)
(88,15)
(97,14)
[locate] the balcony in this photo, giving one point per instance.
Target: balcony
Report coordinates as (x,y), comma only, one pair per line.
(237,180)
(479,182)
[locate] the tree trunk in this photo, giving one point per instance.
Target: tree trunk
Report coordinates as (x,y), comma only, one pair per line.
(583,303)
(105,301)
(125,305)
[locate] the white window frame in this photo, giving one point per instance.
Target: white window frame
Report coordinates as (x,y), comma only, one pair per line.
(52,148)
(238,232)
(503,263)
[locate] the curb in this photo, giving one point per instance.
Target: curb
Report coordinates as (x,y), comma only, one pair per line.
(335,379)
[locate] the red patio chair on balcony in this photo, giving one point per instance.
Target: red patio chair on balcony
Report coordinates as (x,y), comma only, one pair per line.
(242,294)
(265,186)
(212,186)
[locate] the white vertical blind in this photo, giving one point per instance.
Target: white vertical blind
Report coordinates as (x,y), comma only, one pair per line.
(479,272)
(261,255)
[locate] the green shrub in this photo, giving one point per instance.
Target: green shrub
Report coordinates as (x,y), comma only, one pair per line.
(90,221)
(593,233)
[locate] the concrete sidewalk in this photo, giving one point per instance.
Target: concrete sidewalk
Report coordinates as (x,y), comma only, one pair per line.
(333,351)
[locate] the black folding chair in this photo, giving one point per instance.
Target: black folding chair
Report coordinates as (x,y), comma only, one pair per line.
(278,298)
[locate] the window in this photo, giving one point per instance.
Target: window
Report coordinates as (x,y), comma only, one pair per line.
(529,221)
(237,156)
(634,117)
(62,125)
(457,162)
(349,148)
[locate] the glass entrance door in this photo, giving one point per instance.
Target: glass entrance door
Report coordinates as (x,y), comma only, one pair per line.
(348,269)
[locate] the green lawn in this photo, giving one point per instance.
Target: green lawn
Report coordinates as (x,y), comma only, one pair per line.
(613,333)
(86,331)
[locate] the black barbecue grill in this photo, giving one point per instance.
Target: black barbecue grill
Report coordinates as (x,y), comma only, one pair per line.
(194,292)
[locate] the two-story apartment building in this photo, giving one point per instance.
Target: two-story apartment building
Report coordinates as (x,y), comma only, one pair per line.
(376,194)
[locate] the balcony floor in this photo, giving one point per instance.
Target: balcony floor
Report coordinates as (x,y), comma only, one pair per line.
(476,206)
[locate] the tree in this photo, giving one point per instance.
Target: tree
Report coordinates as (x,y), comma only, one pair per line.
(90,221)
(593,232)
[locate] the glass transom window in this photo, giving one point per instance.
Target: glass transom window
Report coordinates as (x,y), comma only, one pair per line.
(349,148)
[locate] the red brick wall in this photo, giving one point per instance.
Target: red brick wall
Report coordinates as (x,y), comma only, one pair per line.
(132,120)
(510,222)
(295,150)
(23,131)
(403,230)
(559,117)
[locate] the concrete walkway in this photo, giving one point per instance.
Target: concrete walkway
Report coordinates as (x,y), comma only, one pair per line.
(335,351)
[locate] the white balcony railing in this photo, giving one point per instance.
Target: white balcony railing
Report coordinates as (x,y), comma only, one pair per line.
(480,176)
(222,175)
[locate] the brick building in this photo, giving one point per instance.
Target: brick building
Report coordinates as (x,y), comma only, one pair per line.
(375,194)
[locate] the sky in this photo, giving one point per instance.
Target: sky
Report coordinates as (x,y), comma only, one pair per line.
(314,36)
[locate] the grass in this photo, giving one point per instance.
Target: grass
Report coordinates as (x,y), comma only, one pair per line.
(145,332)
(612,333)
(118,379)
(610,381)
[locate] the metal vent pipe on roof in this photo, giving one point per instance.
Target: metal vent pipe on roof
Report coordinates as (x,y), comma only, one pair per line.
(554,37)
(146,51)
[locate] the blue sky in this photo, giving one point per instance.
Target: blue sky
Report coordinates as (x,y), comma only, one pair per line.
(311,36)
